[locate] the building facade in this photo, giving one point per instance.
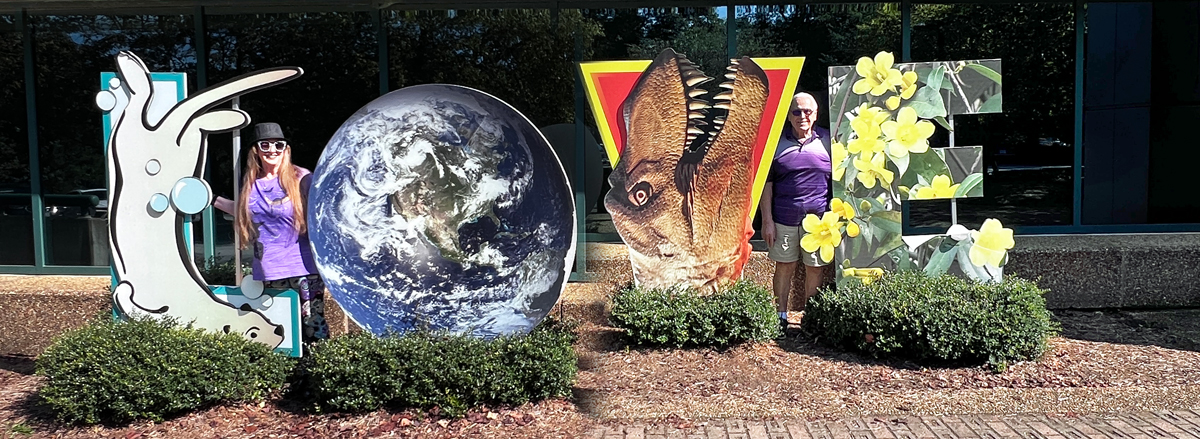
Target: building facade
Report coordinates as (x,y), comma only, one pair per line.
(1093,139)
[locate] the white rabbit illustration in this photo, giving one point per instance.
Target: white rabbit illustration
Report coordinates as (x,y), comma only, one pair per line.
(154,180)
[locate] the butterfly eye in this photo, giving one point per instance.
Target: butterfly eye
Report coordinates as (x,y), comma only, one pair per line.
(640,194)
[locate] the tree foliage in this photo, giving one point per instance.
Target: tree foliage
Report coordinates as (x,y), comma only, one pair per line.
(524,57)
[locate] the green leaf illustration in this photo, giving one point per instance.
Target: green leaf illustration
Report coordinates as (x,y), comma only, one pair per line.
(884,246)
(985,71)
(853,245)
(842,102)
(901,258)
(994,104)
(927,164)
(941,120)
(864,232)
(941,259)
(936,76)
(928,103)
(972,186)
(888,221)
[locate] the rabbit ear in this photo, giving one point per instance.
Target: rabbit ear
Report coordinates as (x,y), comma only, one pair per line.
(219,121)
(136,77)
(216,121)
(227,90)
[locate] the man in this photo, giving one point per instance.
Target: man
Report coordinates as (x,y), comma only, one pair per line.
(799,183)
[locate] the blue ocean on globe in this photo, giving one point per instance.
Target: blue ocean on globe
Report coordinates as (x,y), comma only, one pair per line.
(441,207)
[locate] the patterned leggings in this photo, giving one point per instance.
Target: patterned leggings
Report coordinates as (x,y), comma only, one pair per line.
(312,304)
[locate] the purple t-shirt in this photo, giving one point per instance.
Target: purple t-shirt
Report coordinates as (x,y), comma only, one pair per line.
(801,175)
(280,252)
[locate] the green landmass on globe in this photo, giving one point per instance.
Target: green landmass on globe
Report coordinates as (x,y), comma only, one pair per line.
(443,197)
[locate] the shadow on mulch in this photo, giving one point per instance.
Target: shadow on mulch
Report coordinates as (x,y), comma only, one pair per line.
(803,342)
(587,401)
(1168,328)
(18,364)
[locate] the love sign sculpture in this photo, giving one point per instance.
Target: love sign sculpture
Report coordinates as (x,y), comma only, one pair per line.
(882,116)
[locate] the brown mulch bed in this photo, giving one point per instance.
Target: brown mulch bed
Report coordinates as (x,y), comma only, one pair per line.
(1107,361)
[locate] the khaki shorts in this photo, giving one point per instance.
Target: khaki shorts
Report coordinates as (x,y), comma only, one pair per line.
(787,247)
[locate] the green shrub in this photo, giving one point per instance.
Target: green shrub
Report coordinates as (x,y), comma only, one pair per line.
(360,372)
(221,271)
(112,371)
(945,318)
(682,317)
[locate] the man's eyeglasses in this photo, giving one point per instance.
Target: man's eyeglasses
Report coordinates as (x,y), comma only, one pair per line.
(803,112)
(268,146)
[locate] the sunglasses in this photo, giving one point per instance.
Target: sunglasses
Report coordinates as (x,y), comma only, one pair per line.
(803,112)
(268,146)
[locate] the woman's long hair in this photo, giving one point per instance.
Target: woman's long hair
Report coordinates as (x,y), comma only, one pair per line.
(288,180)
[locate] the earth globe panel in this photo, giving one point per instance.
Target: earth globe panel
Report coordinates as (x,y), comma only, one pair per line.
(487,253)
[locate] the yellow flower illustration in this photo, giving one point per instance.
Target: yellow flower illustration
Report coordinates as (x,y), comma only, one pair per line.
(940,187)
(906,134)
(852,229)
(874,114)
(867,134)
(841,208)
(823,234)
(867,275)
(878,75)
(893,102)
(873,169)
(992,241)
(839,156)
(908,84)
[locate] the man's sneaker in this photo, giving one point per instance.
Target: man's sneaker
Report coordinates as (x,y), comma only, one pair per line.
(783,327)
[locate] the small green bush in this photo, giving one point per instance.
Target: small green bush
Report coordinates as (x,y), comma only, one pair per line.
(360,372)
(112,371)
(682,317)
(945,318)
(221,271)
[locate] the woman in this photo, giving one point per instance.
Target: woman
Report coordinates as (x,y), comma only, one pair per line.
(271,214)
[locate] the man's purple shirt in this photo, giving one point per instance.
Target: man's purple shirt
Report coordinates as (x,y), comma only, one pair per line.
(281,251)
(801,175)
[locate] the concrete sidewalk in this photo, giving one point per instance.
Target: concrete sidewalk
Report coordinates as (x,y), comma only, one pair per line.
(1155,424)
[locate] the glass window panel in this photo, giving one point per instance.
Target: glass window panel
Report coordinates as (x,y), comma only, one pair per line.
(338,53)
(1029,148)
(15,218)
(525,57)
(824,34)
(1175,103)
(698,33)
(70,53)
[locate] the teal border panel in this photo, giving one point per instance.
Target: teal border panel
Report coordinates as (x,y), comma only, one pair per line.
(293,297)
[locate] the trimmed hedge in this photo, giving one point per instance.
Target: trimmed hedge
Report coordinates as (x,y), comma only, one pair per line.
(220,271)
(946,318)
(360,372)
(111,371)
(682,317)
